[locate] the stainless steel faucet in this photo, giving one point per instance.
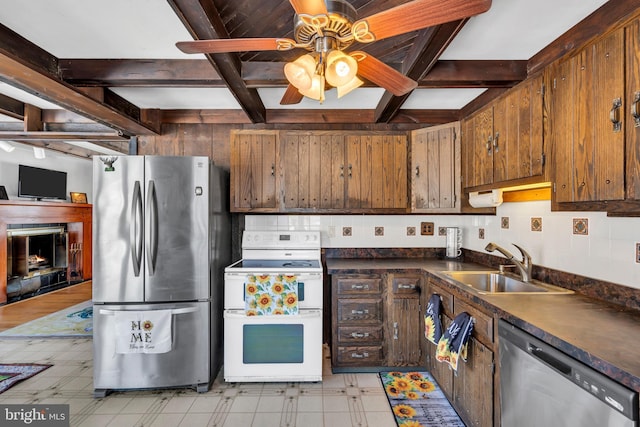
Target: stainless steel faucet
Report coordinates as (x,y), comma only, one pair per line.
(524,266)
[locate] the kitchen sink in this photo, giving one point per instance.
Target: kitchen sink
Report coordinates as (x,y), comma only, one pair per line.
(494,282)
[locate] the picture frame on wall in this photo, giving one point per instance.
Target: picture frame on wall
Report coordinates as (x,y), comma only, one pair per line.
(3,193)
(78,197)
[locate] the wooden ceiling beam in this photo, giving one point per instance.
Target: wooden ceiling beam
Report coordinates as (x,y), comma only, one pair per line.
(203,21)
(199,73)
(427,48)
(11,107)
(32,69)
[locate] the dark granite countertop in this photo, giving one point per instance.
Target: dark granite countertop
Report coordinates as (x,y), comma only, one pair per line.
(603,336)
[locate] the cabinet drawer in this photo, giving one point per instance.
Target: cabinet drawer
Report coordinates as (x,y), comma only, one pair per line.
(483,327)
(360,335)
(447,299)
(361,356)
(354,309)
(409,286)
(358,285)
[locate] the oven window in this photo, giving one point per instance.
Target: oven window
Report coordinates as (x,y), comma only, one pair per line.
(272,344)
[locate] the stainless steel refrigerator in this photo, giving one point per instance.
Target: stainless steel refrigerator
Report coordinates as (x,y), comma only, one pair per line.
(161,240)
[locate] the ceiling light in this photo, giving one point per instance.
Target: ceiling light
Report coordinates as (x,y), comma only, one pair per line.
(301,71)
(6,146)
(348,87)
(341,68)
(38,153)
(316,91)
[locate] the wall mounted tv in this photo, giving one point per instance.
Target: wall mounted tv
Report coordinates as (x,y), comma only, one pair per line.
(41,183)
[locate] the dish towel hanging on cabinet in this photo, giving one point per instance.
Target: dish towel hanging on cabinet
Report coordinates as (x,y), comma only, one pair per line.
(268,294)
(432,321)
(453,343)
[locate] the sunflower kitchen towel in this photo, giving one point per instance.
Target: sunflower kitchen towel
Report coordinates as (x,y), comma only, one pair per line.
(432,321)
(453,344)
(267,294)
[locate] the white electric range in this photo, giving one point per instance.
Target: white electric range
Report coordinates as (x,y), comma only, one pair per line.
(281,344)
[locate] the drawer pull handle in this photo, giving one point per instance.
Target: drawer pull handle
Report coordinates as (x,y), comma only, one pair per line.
(360,334)
(395,330)
(359,355)
(614,115)
(635,109)
(401,286)
(360,287)
(359,311)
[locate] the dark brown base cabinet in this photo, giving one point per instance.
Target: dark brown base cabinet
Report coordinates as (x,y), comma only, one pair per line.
(470,389)
(376,320)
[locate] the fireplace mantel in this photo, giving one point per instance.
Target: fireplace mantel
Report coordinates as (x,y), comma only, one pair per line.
(77,216)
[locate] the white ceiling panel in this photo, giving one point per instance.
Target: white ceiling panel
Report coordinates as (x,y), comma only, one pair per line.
(517,29)
(446,99)
(178,98)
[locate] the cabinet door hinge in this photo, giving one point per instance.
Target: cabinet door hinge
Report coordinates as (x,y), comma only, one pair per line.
(542,89)
(544,159)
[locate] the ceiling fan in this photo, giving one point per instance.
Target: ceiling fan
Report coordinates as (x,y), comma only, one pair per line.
(327,27)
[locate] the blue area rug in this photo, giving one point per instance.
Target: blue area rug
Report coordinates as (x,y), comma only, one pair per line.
(417,401)
(13,373)
(72,322)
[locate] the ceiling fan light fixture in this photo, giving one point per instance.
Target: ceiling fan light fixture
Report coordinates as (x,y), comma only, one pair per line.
(348,87)
(341,68)
(301,71)
(316,91)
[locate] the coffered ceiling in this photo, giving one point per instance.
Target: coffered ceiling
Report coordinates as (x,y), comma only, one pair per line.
(93,73)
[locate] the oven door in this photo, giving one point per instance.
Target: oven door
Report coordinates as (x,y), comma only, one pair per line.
(310,295)
(272,348)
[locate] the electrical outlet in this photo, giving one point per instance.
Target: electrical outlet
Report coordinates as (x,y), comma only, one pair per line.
(426,228)
(638,253)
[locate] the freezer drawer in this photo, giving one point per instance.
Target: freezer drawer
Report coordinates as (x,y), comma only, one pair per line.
(186,364)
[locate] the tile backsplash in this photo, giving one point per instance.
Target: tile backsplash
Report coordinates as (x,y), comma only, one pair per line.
(607,252)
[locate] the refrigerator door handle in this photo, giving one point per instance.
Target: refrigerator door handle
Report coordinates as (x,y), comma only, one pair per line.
(187,310)
(152,219)
(135,236)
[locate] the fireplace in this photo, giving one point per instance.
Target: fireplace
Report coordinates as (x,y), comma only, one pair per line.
(38,260)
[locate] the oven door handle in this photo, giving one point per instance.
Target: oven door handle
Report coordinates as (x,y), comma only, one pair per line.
(238,314)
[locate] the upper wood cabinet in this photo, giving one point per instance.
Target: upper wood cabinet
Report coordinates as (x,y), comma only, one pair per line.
(503,141)
(319,171)
(632,96)
(254,183)
(435,169)
(587,104)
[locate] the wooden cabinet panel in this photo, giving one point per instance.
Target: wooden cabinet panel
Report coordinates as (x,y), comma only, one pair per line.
(356,285)
(483,326)
(361,310)
(473,386)
(587,98)
(359,356)
(360,335)
(404,321)
(435,169)
(483,147)
(332,164)
(632,119)
(253,165)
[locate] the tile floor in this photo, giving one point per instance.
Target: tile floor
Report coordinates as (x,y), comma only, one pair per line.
(340,400)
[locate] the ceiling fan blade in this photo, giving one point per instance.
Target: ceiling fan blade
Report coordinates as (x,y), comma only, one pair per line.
(383,75)
(235,45)
(415,15)
(309,7)
(291,96)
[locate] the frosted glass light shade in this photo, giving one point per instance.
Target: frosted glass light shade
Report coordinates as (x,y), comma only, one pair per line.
(300,72)
(346,88)
(341,68)
(316,91)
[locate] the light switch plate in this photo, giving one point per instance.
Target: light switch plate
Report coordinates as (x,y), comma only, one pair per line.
(638,253)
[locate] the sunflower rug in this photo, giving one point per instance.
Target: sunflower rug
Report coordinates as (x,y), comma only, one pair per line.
(73,322)
(417,401)
(13,373)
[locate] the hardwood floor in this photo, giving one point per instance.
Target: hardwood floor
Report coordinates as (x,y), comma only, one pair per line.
(20,312)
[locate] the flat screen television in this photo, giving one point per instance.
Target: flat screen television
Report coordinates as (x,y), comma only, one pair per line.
(41,183)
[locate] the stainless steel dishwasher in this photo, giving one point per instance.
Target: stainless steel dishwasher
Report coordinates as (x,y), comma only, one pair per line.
(541,386)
